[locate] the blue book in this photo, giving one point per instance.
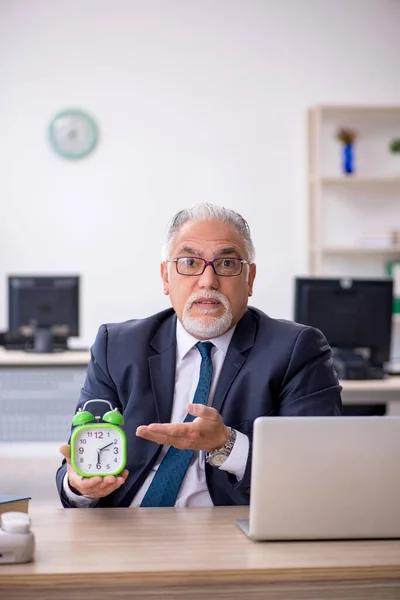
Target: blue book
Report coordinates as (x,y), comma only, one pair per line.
(14,503)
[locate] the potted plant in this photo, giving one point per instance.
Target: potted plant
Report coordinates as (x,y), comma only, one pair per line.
(347,137)
(394,147)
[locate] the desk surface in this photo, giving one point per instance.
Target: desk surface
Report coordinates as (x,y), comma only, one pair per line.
(19,358)
(391,384)
(155,551)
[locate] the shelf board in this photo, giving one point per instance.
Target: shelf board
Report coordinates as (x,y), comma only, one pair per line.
(345,250)
(356,180)
(368,108)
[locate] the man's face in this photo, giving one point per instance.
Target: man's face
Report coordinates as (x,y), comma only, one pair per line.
(207,305)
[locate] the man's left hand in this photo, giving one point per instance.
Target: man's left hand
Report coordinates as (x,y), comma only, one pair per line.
(207,431)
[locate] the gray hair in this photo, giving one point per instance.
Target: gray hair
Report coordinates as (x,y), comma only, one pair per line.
(209,212)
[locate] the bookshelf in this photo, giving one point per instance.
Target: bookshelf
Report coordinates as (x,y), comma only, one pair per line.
(354,219)
(351,215)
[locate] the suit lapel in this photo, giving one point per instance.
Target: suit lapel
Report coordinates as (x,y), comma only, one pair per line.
(162,369)
(242,340)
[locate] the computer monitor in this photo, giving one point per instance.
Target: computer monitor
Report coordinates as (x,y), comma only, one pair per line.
(355,315)
(44,310)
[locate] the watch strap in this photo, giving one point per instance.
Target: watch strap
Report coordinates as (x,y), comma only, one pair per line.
(218,456)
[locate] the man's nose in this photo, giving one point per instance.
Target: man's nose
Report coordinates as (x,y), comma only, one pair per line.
(208,279)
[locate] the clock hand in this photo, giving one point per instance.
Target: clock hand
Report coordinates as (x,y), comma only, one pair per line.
(104,447)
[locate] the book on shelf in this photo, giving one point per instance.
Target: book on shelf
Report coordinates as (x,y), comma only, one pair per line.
(14,503)
(381,239)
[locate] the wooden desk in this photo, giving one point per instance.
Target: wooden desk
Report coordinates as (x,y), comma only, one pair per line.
(391,384)
(190,553)
(19,358)
(373,391)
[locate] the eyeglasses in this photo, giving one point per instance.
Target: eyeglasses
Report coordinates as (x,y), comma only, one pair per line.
(194,265)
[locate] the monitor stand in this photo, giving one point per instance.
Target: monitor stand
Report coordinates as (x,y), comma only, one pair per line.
(350,364)
(42,340)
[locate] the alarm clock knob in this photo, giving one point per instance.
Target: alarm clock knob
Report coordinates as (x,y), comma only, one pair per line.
(114,417)
(82,417)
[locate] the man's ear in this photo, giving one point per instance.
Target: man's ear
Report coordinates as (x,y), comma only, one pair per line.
(252,276)
(164,277)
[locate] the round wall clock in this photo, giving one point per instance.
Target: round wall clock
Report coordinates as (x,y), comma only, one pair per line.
(73,134)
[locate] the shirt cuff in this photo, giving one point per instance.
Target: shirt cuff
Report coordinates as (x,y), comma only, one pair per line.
(237,460)
(75,499)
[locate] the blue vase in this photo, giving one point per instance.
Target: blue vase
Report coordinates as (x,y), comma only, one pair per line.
(348,158)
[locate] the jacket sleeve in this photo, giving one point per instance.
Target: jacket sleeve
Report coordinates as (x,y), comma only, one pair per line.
(98,385)
(310,386)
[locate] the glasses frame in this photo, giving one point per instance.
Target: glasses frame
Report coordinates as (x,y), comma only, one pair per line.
(209,263)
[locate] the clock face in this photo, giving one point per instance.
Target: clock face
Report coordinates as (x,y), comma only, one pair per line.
(73,134)
(98,449)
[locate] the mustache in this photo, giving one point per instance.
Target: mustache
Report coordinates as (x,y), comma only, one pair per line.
(208,295)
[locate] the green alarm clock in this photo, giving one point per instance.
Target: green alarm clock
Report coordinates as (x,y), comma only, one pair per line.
(98,444)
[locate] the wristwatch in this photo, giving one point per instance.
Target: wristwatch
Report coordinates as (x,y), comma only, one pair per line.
(217,457)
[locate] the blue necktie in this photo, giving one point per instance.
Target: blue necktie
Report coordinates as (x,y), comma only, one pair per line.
(167,481)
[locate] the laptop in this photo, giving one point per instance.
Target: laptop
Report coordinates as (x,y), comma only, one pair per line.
(316,478)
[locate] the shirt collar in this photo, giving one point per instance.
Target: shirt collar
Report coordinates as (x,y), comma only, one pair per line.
(185,342)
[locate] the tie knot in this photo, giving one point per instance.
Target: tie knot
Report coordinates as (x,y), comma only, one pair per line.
(205,349)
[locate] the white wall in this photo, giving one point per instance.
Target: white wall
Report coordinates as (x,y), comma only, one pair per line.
(197,101)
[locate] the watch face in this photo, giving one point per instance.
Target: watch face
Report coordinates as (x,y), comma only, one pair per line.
(73,134)
(216,460)
(98,449)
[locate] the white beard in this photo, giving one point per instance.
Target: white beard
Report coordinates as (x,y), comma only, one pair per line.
(210,327)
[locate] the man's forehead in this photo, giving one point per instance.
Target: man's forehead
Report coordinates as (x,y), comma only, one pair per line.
(208,234)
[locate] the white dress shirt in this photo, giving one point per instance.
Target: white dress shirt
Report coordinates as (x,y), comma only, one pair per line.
(193,491)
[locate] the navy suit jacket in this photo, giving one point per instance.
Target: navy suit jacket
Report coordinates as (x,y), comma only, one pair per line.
(272,367)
